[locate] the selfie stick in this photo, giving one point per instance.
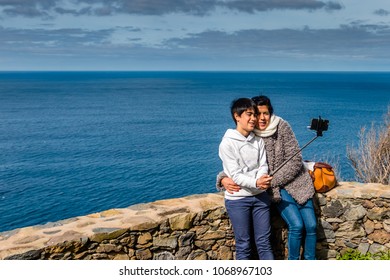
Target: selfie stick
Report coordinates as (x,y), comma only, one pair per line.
(319,133)
(277,169)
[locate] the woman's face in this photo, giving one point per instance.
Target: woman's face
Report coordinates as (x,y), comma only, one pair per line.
(263,118)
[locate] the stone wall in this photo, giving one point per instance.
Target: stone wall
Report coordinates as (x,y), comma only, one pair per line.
(196,227)
(353,216)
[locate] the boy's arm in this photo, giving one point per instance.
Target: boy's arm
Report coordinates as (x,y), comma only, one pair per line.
(263,166)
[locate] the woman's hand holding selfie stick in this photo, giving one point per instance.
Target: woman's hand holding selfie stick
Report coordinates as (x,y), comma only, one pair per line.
(319,125)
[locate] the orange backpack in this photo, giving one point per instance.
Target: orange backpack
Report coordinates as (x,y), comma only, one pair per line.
(324,178)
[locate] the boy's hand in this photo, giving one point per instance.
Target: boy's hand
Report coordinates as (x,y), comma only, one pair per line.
(264,182)
(229,185)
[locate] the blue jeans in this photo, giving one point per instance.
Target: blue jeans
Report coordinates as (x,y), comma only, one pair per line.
(251,216)
(301,220)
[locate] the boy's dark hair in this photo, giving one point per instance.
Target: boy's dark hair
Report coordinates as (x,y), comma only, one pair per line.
(262,100)
(240,105)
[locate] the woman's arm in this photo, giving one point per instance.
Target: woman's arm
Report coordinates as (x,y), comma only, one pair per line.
(223,183)
(226,183)
(229,185)
(290,147)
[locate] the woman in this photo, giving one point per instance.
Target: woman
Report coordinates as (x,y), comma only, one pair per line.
(291,187)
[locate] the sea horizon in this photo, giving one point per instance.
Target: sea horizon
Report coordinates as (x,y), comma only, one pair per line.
(210,70)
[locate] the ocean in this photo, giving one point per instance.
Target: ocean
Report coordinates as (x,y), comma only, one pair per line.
(75,143)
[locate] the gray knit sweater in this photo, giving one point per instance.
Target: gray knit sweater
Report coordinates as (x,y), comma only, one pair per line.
(293,176)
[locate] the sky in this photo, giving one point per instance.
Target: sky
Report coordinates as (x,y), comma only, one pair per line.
(199,35)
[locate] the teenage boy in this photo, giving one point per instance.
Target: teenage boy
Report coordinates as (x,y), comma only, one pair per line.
(244,160)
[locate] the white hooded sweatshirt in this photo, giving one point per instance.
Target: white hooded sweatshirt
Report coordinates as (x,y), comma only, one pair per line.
(244,160)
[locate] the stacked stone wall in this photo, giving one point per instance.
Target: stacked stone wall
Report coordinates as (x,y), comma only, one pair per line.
(197,227)
(353,216)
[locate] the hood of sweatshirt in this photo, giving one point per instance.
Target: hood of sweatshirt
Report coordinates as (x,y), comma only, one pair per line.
(235,135)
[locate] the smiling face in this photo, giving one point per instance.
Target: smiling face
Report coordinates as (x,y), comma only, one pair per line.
(246,122)
(264,117)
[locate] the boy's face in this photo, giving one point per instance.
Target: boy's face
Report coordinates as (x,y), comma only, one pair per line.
(246,122)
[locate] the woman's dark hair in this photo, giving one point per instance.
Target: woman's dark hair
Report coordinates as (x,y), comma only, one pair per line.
(262,100)
(240,105)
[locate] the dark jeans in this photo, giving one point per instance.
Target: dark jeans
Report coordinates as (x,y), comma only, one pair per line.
(301,221)
(251,215)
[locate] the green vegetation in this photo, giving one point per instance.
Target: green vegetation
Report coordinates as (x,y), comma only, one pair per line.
(352,254)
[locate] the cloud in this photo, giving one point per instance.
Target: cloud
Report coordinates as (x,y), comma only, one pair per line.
(46,8)
(172,42)
(252,6)
(348,40)
(353,44)
(27,8)
(60,40)
(382,12)
(74,12)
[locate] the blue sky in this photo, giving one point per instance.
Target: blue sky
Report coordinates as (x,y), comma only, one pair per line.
(229,35)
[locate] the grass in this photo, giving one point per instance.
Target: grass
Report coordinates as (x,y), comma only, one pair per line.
(371,159)
(352,254)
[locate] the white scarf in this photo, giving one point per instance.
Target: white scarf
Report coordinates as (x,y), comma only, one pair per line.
(270,129)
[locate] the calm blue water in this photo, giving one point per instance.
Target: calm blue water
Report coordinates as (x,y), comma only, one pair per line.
(74,143)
